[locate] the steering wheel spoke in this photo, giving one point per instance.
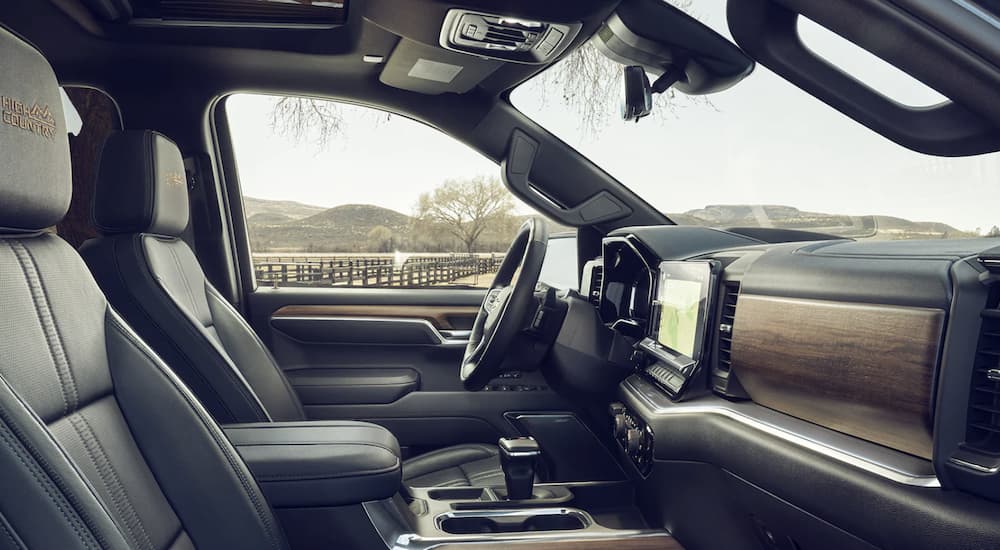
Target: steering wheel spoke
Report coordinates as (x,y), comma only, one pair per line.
(505,306)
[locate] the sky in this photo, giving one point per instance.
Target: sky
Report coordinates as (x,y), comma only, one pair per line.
(763,141)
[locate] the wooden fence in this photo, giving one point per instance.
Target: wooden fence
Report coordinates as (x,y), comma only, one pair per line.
(375,270)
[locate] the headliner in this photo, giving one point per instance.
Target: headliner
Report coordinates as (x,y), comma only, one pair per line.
(323,62)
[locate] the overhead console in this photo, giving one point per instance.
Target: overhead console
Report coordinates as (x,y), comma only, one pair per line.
(506,38)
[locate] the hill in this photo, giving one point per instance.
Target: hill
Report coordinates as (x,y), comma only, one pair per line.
(342,228)
(357,216)
(291,209)
(292,226)
(788,217)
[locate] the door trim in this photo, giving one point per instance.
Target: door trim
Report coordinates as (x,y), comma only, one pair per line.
(440,317)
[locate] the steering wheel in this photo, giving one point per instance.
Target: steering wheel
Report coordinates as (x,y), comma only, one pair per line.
(507,303)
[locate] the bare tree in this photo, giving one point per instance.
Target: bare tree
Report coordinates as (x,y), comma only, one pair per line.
(466,208)
(298,117)
(380,239)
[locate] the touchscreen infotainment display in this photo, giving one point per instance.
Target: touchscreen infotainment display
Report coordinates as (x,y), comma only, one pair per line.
(681,300)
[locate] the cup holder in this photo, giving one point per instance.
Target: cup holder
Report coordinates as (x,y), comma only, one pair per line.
(457,493)
(512,522)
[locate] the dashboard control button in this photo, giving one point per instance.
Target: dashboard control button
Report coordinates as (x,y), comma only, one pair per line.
(621,426)
(633,441)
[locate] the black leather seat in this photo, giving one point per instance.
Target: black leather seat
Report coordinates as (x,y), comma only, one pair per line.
(154,279)
(101,445)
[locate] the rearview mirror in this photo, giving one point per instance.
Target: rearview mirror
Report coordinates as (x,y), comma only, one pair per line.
(678,50)
(637,95)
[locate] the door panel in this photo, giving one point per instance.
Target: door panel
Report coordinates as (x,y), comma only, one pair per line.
(391,356)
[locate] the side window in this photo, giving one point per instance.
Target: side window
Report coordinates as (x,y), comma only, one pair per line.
(559,268)
(339,195)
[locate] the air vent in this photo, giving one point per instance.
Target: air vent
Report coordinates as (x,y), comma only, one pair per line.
(507,38)
(596,280)
(730,295)
(593,278)
(723,380)
(983,429)
(242,12)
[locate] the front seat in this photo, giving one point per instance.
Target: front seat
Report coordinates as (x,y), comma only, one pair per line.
(101,446)
(154,279)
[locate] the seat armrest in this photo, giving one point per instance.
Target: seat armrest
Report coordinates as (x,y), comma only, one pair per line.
(319,463)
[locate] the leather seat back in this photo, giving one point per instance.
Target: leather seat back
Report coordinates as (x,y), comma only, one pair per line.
(101,446)
(154,279)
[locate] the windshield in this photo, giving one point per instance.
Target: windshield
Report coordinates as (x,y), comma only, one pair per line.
(765,153)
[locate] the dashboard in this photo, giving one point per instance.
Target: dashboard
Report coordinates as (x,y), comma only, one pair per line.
(668,304)
(878,345)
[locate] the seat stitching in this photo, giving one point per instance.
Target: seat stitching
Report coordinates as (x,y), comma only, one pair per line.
(220,441)
(8,532)
(71,376)
(44,315)
(315,443)
(18,452)
(111,480)
(46,468)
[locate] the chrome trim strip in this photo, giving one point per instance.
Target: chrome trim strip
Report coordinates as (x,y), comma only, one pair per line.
(973,466)
(397,534)
(585,519)
(452,338)
(882,461)
(456,334)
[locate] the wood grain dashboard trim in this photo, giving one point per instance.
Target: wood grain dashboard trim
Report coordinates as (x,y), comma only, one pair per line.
(442,317)
(865,370)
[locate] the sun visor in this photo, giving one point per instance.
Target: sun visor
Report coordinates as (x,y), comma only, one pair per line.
(431,70)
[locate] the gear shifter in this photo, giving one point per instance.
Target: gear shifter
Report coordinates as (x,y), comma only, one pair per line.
(517,458)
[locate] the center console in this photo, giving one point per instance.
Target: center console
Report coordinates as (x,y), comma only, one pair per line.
(337,484)
(520,511)
(566,515)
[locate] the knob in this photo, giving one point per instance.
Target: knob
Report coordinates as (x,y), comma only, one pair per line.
(616,409)
(621,426)
(633,440)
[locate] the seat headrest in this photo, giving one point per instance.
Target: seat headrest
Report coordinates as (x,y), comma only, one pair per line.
(35,177)
(141,185)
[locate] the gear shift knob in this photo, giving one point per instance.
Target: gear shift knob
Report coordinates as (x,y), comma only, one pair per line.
(517,458)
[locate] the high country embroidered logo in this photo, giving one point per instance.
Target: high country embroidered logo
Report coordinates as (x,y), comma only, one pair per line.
(175,178)
(33,118)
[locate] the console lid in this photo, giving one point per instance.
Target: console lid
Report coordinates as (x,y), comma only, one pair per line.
(319,463)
